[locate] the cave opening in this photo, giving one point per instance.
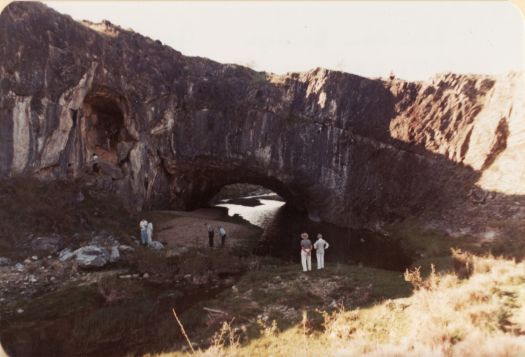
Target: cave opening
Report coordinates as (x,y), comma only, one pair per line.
(105,127)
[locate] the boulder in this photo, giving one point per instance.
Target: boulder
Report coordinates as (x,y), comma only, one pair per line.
(125,248)
(80,197)
(156,245)
(92,256)
(19,267)
(4,261)
(65,254)
(114,255)
(47,244)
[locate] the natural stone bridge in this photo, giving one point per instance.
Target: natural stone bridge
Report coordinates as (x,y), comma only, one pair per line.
(172,130)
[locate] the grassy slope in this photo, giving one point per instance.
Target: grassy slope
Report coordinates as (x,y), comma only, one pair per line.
(28,206)
(483,315)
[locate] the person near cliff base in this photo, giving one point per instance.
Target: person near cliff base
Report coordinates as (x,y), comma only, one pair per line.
(320,246)
(149,230)
(306,252)
(94,162)
(222,234)
(143,232)
(210,235)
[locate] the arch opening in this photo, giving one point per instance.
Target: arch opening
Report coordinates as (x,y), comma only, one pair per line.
(254,203)
(282,223)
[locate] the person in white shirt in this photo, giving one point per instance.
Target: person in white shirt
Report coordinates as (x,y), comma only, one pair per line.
(320,245)
(222,234)
(306,252)
(150,233)
(143,232)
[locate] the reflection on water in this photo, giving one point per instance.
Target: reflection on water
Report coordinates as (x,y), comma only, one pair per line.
(260,215)
(283,225)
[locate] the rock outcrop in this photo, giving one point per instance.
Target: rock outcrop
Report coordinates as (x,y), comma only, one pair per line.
(172,130)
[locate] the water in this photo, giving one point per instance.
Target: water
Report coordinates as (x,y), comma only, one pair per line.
(260,215)
(283,225)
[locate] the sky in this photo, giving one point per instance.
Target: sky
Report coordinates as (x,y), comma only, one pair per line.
(414,40)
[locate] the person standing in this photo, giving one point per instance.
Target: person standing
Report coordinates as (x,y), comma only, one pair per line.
(306,252)
(94,163)
(320,246)
(210,235)
(222,234)
(150,233)
(143,232)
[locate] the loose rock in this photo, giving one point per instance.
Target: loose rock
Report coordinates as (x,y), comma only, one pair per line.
(47,244)
(92,256)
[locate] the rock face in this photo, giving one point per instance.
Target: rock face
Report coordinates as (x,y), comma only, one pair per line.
(172,130)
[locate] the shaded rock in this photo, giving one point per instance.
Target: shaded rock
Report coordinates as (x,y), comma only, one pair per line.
(47,244)
(125,248)
(4,261)
(123,149)
(65,254)
(114,255)
(104,239)
(19,267)
(92,256)
(156,245)
(80,197)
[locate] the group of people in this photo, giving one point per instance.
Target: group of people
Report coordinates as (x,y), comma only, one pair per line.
(211,234)
(146,232)
(320,246)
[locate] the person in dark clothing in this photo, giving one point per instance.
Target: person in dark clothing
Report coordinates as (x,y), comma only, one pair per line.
(210,235)
(94,162)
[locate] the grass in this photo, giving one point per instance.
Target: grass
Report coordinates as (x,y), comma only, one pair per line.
(482,315)
(276,294)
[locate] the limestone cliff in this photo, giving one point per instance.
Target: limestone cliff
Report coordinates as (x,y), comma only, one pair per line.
(172,130)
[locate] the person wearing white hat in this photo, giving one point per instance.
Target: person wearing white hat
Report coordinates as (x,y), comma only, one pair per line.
(306,252)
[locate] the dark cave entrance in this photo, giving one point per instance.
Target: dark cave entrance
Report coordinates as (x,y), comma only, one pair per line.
(104,125)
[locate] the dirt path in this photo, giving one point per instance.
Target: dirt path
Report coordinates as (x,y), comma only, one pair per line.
(189,229)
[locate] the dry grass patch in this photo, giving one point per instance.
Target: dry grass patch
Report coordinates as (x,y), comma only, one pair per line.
(481,315)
